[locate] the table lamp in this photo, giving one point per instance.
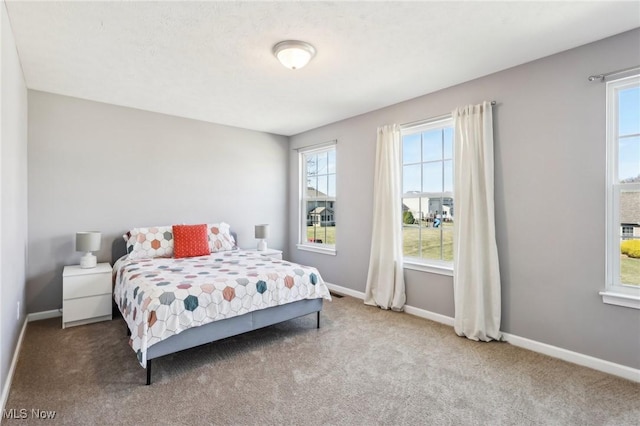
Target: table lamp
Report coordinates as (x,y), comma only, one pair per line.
(261,233)
(88,242)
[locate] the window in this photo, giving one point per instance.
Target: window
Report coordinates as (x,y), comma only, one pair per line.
(318,199)
(623,192)
(427,195)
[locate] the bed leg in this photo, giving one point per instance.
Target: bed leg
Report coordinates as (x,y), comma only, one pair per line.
(318,326)
(148,372)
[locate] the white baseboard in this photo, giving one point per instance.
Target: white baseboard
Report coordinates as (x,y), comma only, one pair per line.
(345,291)
(442,319)
(12,368)
(37,316)
(574,357)
(608,367)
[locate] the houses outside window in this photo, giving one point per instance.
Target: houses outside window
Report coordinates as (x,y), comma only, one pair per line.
(623,192)
(428,208)
(318,199)
(628,231)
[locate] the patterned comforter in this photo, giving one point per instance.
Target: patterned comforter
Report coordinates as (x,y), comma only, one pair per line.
(161,297)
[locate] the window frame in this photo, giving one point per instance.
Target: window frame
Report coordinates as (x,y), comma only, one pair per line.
(615,292)
(303,243)
(435,266)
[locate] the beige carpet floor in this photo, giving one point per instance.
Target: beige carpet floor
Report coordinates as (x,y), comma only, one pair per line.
(364,366)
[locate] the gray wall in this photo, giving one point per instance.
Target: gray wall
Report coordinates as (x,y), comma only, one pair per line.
(95,166)
(13,197)
(549,128)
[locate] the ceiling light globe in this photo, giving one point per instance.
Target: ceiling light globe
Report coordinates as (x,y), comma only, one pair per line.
(294,54)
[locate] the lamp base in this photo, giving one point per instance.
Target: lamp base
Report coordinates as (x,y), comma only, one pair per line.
(262,245)
(88,261)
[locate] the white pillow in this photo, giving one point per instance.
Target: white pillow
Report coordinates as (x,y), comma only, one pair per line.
(157,241)
(144,243)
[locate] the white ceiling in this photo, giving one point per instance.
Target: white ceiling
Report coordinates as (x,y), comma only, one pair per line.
(212,61)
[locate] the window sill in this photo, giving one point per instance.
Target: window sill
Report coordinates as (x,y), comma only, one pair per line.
(628,299)
(330,251)
(443,268)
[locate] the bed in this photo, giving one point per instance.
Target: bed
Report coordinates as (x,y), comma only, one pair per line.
(172,304)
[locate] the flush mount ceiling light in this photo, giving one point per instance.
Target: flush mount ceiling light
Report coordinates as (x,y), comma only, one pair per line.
(294,54)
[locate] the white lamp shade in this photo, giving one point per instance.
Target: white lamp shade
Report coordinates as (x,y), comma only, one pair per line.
(88,241)
(294,54)
(262,231)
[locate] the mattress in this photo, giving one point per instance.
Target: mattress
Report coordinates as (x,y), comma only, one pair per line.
(161,297)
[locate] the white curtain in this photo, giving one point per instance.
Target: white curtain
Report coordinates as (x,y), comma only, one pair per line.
(385,281)
(476,276)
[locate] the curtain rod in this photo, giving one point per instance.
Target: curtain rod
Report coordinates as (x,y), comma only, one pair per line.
(430,120)
(602,77)
(316,146)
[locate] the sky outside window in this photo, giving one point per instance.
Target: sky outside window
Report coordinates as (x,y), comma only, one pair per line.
(628,125)
(434,148)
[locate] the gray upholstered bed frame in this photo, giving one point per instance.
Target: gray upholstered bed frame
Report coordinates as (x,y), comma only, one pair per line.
(222,329)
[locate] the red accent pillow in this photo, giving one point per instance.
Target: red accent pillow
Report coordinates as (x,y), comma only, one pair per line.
(190,241)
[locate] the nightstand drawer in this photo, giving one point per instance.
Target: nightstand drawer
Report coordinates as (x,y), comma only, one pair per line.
(86,307)
(86,285)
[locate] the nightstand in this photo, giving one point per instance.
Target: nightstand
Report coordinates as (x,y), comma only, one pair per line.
(86,294)
(272,253)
